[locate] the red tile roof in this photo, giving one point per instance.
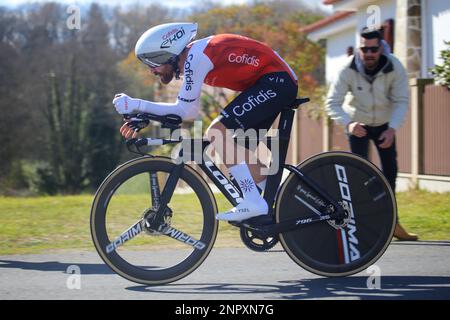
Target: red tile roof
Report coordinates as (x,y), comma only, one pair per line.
(328,20)
(329,1)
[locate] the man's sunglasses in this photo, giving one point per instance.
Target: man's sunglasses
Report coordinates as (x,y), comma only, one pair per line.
(371,49)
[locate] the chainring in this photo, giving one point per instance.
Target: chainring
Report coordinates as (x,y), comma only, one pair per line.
(256,242)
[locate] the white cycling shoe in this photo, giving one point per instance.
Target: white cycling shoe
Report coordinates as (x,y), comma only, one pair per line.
(245,210)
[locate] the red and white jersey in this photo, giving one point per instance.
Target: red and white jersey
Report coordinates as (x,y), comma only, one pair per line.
(227,61)
(238,62)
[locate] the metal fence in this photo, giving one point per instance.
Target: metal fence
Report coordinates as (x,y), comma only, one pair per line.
(423,142)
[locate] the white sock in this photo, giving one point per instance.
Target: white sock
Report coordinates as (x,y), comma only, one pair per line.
(245,180)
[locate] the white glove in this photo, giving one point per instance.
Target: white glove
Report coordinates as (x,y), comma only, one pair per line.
(125,104)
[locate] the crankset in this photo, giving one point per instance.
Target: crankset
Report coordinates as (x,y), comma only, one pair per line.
(253,235)
(257,242)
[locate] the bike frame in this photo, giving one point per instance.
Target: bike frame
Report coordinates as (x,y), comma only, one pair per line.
(265,227)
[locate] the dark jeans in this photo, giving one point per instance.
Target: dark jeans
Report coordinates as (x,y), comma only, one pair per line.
(388,156)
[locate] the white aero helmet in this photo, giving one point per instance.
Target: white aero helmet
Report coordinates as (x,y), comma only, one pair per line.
(162,44)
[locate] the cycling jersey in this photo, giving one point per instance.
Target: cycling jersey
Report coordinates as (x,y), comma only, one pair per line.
(227,61)
(239,61)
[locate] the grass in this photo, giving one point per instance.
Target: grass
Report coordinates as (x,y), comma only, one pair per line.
(43,224)
(425,213)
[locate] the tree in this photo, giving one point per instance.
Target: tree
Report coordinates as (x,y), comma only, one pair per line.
(441,73)
(60,84)
(103,80)
(57,84)
(16,121)
(13,117)
(128,25)
(67,114)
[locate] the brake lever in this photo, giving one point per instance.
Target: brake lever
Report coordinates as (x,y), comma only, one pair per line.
(130,142)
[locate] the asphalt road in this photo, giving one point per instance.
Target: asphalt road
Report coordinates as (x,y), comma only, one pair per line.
(408,271)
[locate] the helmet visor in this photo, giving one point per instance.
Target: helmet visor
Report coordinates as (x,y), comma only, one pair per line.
(156,59)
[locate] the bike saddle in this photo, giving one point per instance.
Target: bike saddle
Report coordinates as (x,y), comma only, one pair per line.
(297,102)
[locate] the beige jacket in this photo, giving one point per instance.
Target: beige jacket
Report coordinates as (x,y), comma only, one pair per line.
(353,98)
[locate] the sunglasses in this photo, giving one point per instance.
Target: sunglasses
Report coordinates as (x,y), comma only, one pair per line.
(371,49)
(150,63)
(157,59)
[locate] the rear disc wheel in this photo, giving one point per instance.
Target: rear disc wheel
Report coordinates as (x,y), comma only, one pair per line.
(329,249)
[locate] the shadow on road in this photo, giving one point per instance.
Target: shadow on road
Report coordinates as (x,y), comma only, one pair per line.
(421,243)
(392,287)
(86,268)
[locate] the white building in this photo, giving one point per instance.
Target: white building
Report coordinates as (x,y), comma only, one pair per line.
(416,31)
(415,28)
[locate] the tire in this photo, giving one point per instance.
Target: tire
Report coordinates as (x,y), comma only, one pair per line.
(334,251)
(152,259)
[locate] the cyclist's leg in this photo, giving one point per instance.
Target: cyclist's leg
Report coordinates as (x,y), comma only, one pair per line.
(235,152)
(253,204)
(256,154)
(250,110)
(254,110)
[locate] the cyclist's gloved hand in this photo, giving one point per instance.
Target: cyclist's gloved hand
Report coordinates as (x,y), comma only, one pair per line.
(125,104)
(137,124)
(132,126)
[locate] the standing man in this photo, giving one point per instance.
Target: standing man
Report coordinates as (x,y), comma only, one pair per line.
(377,105)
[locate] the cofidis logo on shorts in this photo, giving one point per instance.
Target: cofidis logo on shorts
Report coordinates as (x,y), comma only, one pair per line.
(253,101)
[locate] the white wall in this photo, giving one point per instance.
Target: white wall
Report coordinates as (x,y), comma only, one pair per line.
(435,29)
(337,45)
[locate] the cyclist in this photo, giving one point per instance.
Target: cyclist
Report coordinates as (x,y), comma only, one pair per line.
(265,80)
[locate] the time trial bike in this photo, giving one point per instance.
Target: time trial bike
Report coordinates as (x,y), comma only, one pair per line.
(153,219)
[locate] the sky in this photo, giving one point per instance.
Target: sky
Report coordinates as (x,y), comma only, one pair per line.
(170,3)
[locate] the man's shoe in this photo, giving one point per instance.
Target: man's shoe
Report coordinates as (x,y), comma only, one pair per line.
(245,210)
(402,235)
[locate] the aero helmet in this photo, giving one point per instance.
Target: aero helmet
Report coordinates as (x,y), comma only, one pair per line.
(163,43)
